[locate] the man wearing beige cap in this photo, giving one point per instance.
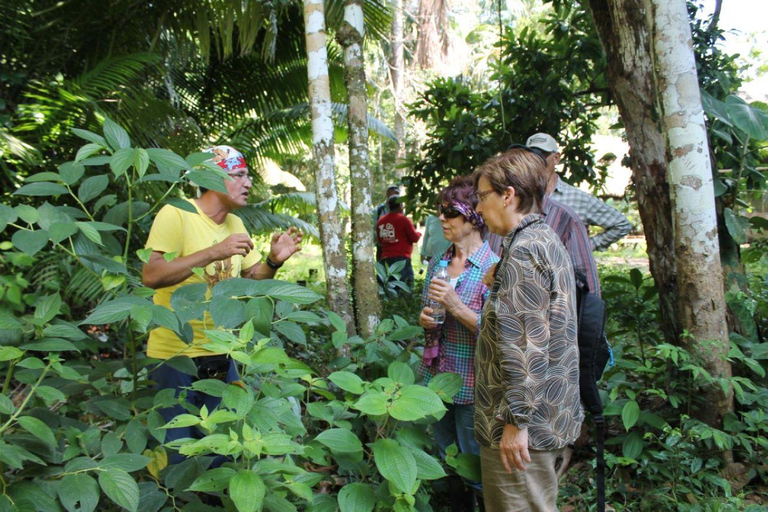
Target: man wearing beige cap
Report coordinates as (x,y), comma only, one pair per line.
(591,210)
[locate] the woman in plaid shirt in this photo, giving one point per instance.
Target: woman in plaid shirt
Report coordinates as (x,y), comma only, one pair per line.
(450,347)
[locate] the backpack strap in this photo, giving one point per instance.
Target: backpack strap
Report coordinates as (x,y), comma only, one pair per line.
(600,423)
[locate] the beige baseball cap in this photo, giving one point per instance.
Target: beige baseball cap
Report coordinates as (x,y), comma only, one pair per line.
(542,141)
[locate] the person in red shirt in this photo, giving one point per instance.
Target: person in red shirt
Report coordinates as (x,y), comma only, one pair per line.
(396,234)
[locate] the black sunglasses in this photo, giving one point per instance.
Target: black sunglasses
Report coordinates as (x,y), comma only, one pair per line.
(449,212)
(536,151)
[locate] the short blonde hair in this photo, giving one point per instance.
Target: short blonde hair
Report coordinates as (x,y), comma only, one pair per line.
(520,169)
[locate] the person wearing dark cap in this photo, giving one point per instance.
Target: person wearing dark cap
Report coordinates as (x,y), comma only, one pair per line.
(591,210)
(397,236)
(214,239)
(379,212)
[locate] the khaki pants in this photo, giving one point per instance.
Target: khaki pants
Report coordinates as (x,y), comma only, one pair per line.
(534,489)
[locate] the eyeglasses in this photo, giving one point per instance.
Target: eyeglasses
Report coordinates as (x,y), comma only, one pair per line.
(482,195)
(536,151)
(241,175)
(449,212)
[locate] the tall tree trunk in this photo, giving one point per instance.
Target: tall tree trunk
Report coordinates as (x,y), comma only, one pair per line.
(697,250)
(365,287)
(623,30)
(397,73)
(331,236)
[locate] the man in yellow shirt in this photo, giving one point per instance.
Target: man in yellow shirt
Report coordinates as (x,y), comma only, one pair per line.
(216,241)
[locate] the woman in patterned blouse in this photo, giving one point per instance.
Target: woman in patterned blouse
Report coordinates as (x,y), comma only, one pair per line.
(527,406)
(450,347)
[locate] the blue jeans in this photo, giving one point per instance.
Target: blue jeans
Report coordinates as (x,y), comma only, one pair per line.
(458,427)
(166,377)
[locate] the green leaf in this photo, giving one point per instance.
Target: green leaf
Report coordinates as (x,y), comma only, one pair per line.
(30,242)
(92,187)
(38,429)
(446,385)
(396,464)
(747,118)
(121,488)
(51,345)
(110,312)
(227,313)
(337,321)
(41,189)
(27,213)
(50,394)
(260,311)
(121,160)
(116,136)
(630,413)
(135,436)
(61,231)
(427,468)
(7,215)
(43,176)
(182,204)
(48,307)
(357,497)
(347,381)
(141,161)
(373,403)
(127,462)
(401,373)
(415,402)
(736,225)
(340,440)
(6,405)
(292,332)
(632,446)
(280,290)
(9,353)
(79,492)
(167,161)
(90,232)
(636,277)
(213,480)
(88,150)
(247,491)
(238,399)
(207,179)
(89,136)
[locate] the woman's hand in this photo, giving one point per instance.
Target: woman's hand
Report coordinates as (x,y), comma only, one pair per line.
(444,293)
(514,448)
(426,320)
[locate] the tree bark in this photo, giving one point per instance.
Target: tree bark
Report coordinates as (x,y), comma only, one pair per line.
(697,251)
(365,287)
(623,30)
(397,73)
(331,236)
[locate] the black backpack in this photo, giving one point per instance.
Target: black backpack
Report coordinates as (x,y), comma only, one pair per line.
(594,354)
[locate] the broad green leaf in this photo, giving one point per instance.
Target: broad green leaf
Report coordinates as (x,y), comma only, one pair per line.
(373,403)
(121,488)
(715,108)
(43,176)
(303,317)
(48,307)
(89,136)
(92,187)
(337,321)
(207,179)
(260,310)
(238,399)
(736,225)
(111,312)
(79,492)
(340,440)
(636,277)
(166,160)
(277,443)
(7,215)
(288,292)
(347,381)
(747,118)
(357,497)
(292,332)
(121,160)
(141,162)
(227,313)
(395,463)
(51,345)
(9,353)
(88,150)
(116,136)
(60,231)
(110,445)
(6,405)
(401,373)
(415,402)
(38,429)
(212,387)
(630,414)
(427,468)
(136,436)
(41,189)
(27,213)
(182,204)
(467,465)
(127,462)
(446,385)
(50,394)
(632,446)
(30,242)
(117,408)
(213,480)
(247,491)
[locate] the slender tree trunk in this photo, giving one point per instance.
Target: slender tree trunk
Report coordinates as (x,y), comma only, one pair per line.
(397,73)
(623,30)
(697,251)
(331,236)
(365,287)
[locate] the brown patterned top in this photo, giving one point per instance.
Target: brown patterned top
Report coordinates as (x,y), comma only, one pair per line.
(527,360)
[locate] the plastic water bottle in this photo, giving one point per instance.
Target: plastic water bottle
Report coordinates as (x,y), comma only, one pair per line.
(438,310)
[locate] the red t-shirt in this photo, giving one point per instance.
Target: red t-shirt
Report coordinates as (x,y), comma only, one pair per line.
(396,235)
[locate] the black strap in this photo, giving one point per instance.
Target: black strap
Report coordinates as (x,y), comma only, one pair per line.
(600,423)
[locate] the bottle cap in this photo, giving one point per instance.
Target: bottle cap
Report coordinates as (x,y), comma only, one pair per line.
(443,263)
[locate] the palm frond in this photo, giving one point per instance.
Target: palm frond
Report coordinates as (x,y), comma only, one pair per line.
(262,221)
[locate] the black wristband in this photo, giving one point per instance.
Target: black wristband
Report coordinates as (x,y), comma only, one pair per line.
(271,264)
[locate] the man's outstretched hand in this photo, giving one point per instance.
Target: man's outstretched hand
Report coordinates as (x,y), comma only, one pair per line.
(284,245)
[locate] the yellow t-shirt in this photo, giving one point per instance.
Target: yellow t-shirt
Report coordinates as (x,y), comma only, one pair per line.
(184,233)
